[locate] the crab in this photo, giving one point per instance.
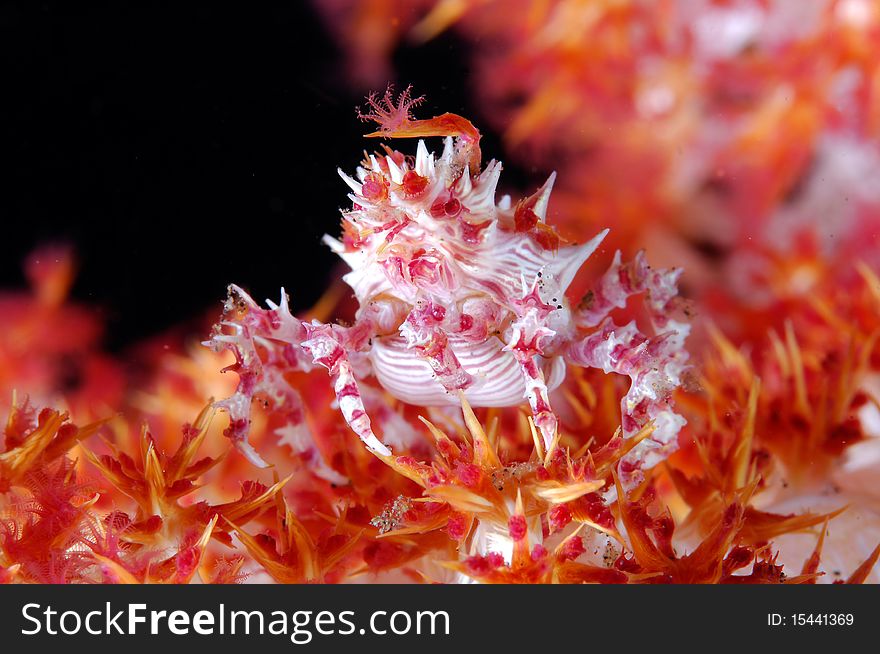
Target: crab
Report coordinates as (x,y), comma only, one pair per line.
(459,296)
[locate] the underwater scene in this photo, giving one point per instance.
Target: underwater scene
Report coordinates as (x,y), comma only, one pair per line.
(559,292)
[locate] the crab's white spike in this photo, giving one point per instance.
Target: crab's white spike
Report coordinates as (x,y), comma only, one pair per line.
(544,199)
(283,306)
(448,150)
(465,185)
(352,184)
(354,259)
(333,243)
(482,198)
(285,303)
(571,258)
(374,164)
(361,172)
(396,172)
(248,451)
(424,160)
(504,203)
(489,178)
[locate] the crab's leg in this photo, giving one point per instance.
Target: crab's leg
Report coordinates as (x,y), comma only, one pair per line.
(424,333)
(528,335)
(623,280)
(655,365)
(536,389)
(243,326)
(329,345)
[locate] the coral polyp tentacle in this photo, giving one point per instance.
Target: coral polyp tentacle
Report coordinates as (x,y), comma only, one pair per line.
(396,121)
(424,332)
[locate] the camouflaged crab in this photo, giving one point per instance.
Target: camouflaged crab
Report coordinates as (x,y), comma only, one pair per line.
(457,294)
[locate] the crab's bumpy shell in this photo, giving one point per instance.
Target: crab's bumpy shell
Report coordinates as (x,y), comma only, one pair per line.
(460,294)
(456,249)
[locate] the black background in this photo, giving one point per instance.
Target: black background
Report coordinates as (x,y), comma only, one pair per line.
(182,146)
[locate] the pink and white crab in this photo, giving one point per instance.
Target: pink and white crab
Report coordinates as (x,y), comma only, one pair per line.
(457,294)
